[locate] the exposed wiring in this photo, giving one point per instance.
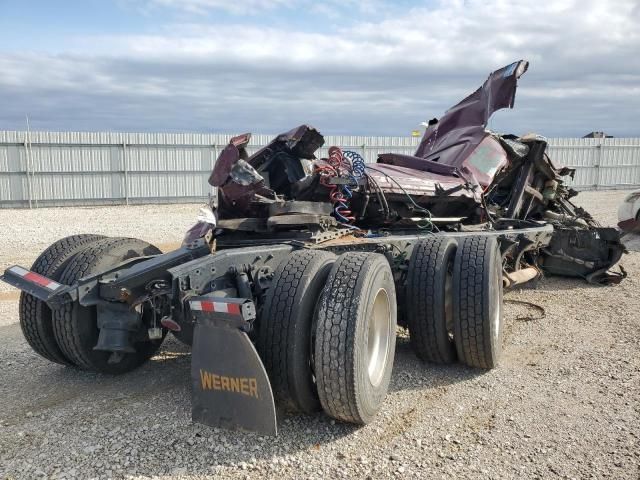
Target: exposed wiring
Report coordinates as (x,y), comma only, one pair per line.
(351,164)
(486,208)
(382,199)
(340,195)
(428,224)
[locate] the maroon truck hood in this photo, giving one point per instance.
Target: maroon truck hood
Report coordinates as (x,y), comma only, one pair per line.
(414,182)
(452,146)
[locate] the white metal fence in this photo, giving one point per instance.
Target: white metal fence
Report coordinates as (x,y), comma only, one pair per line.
(83,168)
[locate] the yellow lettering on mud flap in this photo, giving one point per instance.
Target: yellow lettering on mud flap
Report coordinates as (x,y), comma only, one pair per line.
(235,384)
(242,385)
(205,378)
(216,381)
(224,383)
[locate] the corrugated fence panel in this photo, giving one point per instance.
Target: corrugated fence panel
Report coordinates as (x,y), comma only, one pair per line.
(169,158)
(581,154)
(620,164)
(71,186)
(89,168)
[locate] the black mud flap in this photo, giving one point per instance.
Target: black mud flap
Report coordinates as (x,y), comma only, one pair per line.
(230,385)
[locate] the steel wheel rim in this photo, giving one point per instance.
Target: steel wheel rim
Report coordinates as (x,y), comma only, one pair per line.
(378,337)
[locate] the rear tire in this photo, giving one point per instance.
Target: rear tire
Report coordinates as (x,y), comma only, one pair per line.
(35,315)
(477,302)
(428,300)
(284,339)
(76,327)
(355,337)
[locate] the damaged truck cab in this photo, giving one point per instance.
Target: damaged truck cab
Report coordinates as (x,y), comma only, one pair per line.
(292,284)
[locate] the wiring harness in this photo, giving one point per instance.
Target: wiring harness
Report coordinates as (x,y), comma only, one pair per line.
(344,171)
(340,165)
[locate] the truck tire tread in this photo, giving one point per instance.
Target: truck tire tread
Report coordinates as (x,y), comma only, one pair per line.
(473,304)
(426,315)
(67,326)
(336,352)
(285,329)
(35,315)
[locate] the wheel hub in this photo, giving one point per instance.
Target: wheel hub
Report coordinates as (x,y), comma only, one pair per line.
(378,337)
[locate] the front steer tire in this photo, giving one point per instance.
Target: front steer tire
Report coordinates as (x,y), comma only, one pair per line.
(285,331)
(35,315)
(75,326)
(428,299)
(477,302)
(355,337)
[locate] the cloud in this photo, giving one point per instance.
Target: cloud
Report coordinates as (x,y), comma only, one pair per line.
(329,8)
(372,76)
(206,6)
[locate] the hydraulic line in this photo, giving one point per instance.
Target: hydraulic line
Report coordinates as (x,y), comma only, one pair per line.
(357,163)
(340,195)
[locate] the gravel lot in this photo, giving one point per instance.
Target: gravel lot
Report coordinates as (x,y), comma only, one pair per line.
(564,403)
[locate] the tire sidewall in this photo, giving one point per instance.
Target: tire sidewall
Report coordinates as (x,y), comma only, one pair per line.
(371,397)
(443,276)
(41,316)
(308,298)
(494,302)
(291,368)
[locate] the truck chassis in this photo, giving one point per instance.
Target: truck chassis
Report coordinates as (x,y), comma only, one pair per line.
(292,284)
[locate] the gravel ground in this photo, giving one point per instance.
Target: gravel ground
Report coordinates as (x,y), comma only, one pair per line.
(562,404)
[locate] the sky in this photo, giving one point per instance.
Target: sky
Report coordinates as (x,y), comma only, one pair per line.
(368,67)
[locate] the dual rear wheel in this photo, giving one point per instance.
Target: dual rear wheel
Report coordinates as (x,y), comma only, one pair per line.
(327,330)
(454,300)
(327,333)
(68,334)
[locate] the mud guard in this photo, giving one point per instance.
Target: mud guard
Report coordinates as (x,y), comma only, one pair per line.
(230,387)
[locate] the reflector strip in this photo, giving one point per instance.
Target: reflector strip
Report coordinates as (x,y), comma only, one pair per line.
(35,278)
(218,307)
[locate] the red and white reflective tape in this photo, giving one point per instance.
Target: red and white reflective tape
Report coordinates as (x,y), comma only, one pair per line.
(218,307)
(35,278)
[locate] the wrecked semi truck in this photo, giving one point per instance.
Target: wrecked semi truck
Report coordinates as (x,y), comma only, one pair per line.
(290,286)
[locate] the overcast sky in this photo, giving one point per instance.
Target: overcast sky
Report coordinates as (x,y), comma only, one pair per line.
(368,67)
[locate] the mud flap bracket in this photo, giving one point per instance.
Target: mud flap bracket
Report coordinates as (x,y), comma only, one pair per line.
(43,288)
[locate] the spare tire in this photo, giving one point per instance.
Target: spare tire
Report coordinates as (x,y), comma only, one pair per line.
(35,315)
(75,326)
(355,337)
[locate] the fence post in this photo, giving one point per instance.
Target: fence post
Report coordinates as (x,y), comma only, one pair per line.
(28,172)
(213,191)
(125,163)
(598,165)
